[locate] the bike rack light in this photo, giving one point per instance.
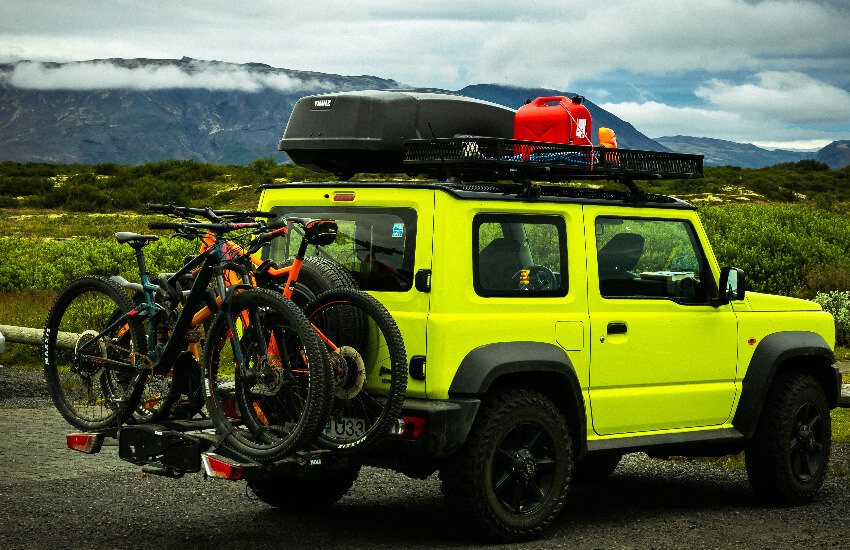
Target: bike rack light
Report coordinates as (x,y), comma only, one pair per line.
(220,467)
(85,443)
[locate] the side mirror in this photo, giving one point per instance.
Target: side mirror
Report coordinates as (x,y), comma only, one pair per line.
(733,285)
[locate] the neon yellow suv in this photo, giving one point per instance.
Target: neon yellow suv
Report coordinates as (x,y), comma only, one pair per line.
(552,329)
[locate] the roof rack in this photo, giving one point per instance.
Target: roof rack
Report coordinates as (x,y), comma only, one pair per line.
(473,158)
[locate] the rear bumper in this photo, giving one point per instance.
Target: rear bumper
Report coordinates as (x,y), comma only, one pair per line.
(447,425)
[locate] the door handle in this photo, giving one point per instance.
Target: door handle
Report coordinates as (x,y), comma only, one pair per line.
(617,328)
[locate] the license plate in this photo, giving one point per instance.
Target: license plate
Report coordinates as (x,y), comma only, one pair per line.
(346,427)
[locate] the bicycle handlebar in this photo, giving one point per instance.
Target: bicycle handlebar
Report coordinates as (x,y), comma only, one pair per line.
(208,213)
(164,225)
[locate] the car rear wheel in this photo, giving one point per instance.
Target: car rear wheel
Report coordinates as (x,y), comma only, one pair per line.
(511,478)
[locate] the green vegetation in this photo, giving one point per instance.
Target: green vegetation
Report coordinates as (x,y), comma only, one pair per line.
(111,188)
(788,249)
(804,181)
(57,221)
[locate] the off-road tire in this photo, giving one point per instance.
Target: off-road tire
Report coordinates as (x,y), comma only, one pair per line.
(787,457)
(369,369)
(89,305)
(317,275)
(275,402)
(519,441)
(294,493)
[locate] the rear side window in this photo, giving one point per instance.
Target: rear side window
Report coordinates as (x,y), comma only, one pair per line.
(519,255)
(376,245)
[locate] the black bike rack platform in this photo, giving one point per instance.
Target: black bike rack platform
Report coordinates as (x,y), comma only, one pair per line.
(175,448)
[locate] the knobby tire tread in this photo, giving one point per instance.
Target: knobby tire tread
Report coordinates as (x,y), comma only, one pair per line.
(75,289)
(464,481)
(313,416)
(397,370)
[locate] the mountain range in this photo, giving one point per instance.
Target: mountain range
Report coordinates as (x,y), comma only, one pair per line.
(133,111)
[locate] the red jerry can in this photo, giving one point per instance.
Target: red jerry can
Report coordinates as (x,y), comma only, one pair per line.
(554,119)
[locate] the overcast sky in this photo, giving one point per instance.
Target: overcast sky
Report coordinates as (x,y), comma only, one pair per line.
(775,73)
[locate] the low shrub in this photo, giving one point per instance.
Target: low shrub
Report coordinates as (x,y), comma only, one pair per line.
(838,304)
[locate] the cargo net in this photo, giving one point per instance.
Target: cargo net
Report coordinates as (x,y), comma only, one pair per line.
(482,159)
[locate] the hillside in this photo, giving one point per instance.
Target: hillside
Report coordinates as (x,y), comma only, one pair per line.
(836,154)
(134,111)
(135,126)
(216,112)
(719,152)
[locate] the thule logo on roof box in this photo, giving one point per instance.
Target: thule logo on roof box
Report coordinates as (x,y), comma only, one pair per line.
(322,104)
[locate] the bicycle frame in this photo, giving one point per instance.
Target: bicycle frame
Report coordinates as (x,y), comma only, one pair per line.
(209,264)
(211,242)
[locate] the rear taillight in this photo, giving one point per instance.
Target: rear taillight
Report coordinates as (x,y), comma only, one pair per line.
(408,427)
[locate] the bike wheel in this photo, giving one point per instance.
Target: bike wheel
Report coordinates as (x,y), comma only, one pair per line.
(173,395)
(87,393)
(266,384)
(369,366)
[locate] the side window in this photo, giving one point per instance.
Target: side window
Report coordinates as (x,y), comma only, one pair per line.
(641,258)
(519,255)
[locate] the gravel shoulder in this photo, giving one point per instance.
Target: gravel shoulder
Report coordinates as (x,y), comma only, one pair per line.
(53,497)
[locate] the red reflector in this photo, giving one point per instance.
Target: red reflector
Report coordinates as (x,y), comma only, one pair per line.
(751,341)
(86,443)
(344,197)
(216,466)
(413,427)
(409,427)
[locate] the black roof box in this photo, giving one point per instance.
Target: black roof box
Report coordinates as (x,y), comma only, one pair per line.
(349,132)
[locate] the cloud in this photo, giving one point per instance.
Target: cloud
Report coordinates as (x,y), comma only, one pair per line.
(446,43)
(196,74)
(657,119)
(790,97)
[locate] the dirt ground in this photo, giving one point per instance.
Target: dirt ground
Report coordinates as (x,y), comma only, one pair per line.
(52,497)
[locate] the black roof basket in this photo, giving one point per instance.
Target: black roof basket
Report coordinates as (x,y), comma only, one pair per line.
(474,158)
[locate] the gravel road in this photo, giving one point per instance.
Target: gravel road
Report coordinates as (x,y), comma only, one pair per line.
(52,497)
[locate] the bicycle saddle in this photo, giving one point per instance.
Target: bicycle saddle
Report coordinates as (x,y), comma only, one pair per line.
(127,237)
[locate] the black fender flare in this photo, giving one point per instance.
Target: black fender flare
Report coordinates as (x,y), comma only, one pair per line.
(771,352)
(547,366)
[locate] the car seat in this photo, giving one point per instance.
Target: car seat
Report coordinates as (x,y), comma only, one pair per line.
(498,262)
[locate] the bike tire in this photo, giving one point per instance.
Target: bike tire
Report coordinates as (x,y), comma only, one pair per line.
(317,275)
(274,402)
(89,396)
(369,369)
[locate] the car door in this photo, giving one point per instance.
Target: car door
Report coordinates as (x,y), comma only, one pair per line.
(661,357)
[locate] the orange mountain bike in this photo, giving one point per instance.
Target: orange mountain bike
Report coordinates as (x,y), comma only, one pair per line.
(364,345)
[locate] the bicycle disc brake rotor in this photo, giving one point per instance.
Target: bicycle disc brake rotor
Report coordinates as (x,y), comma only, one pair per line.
(349,372)
(87,369)
(271,376)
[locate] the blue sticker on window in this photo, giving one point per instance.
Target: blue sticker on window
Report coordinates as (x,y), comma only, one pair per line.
(398,230)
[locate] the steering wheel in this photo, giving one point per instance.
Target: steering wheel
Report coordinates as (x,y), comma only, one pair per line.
(539,278)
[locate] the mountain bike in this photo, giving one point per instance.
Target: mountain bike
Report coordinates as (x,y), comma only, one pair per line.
(279,369)
(364,345)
